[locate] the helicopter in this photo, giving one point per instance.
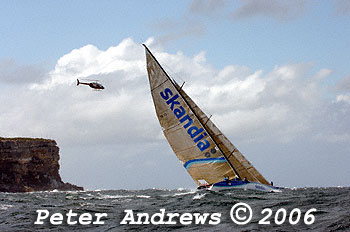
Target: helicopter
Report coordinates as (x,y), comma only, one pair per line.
(95,84)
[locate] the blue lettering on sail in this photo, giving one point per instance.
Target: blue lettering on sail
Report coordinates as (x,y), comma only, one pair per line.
(194,132)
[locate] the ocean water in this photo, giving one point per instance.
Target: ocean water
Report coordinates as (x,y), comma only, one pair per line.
(329,210)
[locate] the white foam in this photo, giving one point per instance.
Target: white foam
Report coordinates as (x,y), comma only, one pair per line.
(199,196)
(185,193)
(5,207)
(115,196)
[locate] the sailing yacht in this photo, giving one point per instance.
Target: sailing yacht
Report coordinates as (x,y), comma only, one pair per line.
(213,162)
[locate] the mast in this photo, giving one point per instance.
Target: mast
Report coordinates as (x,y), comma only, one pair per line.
(201,122)
(159,65)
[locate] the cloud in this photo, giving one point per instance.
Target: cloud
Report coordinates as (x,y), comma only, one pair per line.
(343,85)
(172,30)
(90,61)
(191,24)
(207,7)
(57,108)
(278,105)
(332,124)
(280,10)
(12,72)
(282,101)
(118,125)
(201,13)
(342,7)
(343,98)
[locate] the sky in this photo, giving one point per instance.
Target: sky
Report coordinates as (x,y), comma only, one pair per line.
(273,74)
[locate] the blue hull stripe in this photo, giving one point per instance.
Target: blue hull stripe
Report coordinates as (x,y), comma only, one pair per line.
(189,163)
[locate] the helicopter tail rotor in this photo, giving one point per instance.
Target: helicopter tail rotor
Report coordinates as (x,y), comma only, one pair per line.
(78,82)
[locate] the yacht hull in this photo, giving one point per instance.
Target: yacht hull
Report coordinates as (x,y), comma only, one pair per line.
(225,185)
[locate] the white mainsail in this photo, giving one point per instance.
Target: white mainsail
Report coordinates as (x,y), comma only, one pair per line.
(204,151)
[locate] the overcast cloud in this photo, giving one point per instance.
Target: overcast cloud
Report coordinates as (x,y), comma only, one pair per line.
(119,125)
(200,13)
(208,7)
(12,72)
(342,7)
(280,10)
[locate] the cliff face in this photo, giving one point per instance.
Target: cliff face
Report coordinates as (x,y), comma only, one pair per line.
(30,165)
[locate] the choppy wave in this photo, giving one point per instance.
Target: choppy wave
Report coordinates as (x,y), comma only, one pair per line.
(18,210)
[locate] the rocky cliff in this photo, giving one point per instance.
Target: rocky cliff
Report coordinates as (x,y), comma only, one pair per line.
(30,165)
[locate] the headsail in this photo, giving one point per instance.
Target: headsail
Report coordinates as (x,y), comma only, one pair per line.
(204,151)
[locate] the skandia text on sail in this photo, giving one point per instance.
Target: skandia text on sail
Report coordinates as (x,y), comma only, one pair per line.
(179,111)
